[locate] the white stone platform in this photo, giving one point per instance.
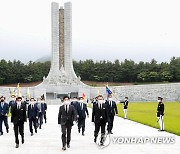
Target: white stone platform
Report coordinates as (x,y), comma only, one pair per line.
(48,140)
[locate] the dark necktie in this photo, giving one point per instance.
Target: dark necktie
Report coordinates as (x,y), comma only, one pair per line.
(66,108)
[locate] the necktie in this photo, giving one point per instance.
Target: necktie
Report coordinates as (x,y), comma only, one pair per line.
(66,108)
(82,106)
(32,106)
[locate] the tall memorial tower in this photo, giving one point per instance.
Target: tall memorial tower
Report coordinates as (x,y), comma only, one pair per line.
(61,79)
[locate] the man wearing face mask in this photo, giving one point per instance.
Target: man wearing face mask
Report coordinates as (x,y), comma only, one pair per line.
(125,102)
(112,110)
(40,105)
(4,108)
(67,114)
(75,103)
(13,101)
(82,111)
(100,118)
(18,118)
(32,115)
(160,113)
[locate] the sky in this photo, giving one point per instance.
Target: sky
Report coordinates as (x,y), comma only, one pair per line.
(101,29)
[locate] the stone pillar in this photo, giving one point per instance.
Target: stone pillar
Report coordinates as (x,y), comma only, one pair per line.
(68,65)
(55,36)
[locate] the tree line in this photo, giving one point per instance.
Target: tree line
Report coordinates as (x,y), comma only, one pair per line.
(103,71)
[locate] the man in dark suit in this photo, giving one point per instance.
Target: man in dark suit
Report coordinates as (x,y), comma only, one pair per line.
(13,101)
(18,118)
(4,108)
(100,118)
(125,102)
(81,114)
(32,115)
(112,110)
(45,109)
(160,113)
(75,103)
(67,114)
(40,105)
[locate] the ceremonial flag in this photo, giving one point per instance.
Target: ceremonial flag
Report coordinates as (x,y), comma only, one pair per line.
(108,91)
(19,91)
(28,94)
(83,95)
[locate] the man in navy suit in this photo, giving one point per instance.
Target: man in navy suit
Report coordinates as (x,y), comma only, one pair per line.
(112,110)
(81,114)
(40,106)
(75,103)
(13,101)
(4,108)
(32,115)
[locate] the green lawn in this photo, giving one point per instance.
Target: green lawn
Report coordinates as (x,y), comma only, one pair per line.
(145,113)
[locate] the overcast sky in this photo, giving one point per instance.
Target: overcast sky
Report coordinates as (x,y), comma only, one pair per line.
(102,29)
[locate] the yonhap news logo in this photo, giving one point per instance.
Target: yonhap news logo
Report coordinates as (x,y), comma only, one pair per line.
(106,139)
(142,140)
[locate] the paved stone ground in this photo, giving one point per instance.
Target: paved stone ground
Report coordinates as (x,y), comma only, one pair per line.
(48,140)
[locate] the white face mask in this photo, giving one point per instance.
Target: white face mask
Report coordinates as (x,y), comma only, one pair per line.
(100,101)
(13,99)
(81,101)
(110,99)
(32,102)
(66,102)
(159,100)
(125,99)
(18,102)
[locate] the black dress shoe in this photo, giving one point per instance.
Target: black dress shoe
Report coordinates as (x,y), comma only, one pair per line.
(78,130)
(35,130)
(22,140)
(17,145)
(1,133)
(7,130)
(95,139)
(31,134)
(111,132)
(64,148)
(68,145)
(82,134)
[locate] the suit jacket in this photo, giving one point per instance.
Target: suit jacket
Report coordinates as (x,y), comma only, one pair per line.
(82,111)
(112,109)
(75,104)
(32,112)
(125,104)
(18,114)
(45,106)
(4,110)
(40,109)
(12,103)
(98,114)
(67,118)
(160,109)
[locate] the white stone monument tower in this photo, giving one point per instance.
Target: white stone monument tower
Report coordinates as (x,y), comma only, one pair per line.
(61,79)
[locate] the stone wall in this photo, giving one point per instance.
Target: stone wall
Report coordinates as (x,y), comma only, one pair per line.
(170,92)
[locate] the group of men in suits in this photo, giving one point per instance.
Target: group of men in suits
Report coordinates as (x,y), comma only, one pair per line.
(21,110)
